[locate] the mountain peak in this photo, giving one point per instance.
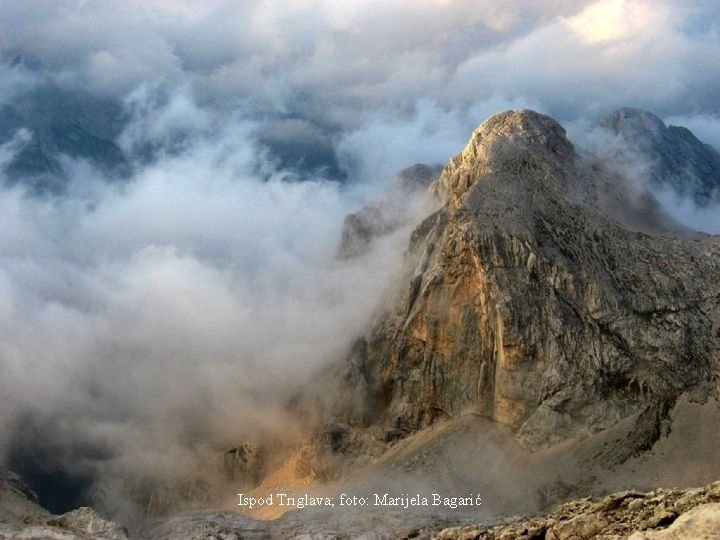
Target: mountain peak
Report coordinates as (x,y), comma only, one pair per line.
(523,125)
(523,129)
(528,302)
(631,119)
(520,141)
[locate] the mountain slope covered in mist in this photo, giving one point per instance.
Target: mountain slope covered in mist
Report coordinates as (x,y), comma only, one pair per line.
(674,157)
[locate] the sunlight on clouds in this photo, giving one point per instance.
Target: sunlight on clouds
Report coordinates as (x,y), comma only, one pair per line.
(609,20)
(344,15)
(184,9)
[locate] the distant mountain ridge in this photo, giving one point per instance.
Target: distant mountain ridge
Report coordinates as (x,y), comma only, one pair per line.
(676,158)
(81,125)
(62,122)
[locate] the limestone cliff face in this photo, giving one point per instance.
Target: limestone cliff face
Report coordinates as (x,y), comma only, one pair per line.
(527,301)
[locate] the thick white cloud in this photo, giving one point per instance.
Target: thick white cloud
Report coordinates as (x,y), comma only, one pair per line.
(352,57)
(197,298)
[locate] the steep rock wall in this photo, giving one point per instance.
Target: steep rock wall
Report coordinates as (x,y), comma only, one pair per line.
(528,302)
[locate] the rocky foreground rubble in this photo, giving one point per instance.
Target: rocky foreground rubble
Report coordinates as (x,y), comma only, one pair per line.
(662,514)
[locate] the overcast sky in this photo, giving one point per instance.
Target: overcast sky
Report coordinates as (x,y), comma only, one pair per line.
(334,60)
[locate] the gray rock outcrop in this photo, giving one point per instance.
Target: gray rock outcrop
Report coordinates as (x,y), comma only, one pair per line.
(701,523)
(663,514)
(383,217)
(22,517)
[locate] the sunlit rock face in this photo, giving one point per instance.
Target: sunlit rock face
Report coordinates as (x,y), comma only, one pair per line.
(530,300)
